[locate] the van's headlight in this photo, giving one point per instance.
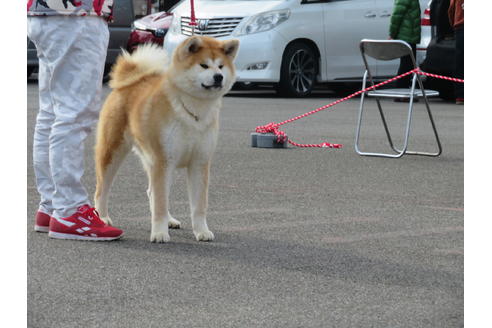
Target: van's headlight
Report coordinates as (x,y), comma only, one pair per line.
(136,25)
(264,22)
(176,25)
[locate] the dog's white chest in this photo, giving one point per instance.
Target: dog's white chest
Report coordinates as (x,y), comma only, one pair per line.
(184,144)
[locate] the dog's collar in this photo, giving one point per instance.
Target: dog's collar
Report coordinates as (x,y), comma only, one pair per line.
(190,113)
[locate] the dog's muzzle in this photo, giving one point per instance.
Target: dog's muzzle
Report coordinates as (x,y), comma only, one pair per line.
(212,86)
(218,78)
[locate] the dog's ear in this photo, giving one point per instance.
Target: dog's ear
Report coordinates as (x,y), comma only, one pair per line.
(230,48)
(190,46)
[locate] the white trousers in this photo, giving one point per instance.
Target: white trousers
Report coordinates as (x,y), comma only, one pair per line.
(72,53)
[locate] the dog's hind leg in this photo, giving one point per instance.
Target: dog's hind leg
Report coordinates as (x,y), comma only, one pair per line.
(105,176)
(173,223)
(198,194)
(111,149)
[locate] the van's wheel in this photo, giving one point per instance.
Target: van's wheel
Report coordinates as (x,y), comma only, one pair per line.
(298,71)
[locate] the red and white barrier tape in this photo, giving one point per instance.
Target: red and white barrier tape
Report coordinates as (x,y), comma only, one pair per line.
(441,77)
(281,137)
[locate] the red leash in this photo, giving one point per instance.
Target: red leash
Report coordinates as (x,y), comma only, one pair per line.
(274,127)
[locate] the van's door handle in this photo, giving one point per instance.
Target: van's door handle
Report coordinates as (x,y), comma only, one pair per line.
(385,14)
(370,14)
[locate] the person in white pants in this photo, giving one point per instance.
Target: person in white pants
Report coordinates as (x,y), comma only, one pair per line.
(72,53)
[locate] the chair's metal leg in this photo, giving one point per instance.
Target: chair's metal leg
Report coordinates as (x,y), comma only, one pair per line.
(409,152)
(383,119)
(409,118)
(359,123)
(439,147)
(386,129)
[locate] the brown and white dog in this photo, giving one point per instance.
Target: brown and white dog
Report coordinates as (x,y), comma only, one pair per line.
(168,113)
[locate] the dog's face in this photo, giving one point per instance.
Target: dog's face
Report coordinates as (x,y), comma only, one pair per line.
(203,67)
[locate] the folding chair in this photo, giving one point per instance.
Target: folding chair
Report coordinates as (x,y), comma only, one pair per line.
(389,50)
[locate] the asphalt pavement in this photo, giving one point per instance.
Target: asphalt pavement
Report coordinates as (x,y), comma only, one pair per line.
(304,237)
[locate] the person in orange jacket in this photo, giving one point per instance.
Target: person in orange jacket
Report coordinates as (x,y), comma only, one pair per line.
(456,13)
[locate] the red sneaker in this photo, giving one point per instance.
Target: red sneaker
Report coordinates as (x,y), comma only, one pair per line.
(42,222)
(84,224)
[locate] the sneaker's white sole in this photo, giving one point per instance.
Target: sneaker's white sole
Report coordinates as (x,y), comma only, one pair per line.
(59,235)
(41,228)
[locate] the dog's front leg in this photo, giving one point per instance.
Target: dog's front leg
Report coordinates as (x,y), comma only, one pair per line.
(158,192)
(198,194)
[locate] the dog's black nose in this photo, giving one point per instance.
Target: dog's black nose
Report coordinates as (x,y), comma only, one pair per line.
(218,78)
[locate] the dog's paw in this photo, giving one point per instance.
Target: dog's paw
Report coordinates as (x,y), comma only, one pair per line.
(107,220)
(174,224)
(159,237)
(206,235)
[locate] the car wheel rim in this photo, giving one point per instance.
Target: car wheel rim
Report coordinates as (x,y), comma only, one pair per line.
(301,71)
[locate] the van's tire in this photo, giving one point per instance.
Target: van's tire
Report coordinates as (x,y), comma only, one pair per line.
(299,70)
(344,89)
(240,86)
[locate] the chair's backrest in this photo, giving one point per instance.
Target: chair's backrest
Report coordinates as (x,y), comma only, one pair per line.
(386,49)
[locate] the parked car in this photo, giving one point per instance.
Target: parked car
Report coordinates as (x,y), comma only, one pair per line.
(292,44)
(125,12)
(440,55)
(149,29)
(425,25)
(152,28)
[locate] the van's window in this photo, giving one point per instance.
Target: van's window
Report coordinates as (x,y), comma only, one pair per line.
(141,8)
(167,5)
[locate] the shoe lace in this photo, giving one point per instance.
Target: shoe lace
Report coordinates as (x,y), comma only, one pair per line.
(90,212)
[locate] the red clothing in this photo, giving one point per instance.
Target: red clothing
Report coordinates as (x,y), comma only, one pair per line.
(456,13)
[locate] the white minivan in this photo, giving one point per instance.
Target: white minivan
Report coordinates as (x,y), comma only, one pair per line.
(291,43)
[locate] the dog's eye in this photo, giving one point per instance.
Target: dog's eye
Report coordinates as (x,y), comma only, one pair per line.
(221,66)
(204,66)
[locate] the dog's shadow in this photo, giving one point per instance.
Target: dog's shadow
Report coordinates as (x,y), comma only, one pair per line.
(334,263)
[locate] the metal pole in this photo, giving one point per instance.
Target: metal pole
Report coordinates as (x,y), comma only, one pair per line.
(192,17)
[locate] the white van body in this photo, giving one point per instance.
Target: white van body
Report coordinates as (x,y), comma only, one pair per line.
(333,28)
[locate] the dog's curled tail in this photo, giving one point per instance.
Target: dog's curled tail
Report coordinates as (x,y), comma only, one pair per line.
(147,59)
